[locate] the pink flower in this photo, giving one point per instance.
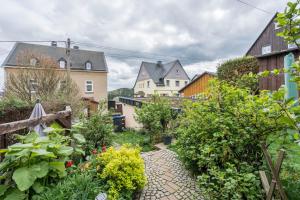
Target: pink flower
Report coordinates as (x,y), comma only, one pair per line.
(94,151)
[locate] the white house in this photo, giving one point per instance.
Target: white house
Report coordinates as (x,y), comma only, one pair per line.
(162,79)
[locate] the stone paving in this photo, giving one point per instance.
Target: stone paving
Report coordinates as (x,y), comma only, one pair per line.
(167,178)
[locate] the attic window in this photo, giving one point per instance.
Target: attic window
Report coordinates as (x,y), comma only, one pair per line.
(88,65)
(276,25)
(62,64)
(33,61)
(266,49)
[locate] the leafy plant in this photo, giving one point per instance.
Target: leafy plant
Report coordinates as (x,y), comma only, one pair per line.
(77,186)
(290,23)
(97,129)
(155,115)
(122,170)
(33,163)
(220,136)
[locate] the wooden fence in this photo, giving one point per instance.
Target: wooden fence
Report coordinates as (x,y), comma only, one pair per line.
(63,117)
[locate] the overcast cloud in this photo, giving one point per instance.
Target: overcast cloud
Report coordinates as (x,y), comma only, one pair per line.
(200,33)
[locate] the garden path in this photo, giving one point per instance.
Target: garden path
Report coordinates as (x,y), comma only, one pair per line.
(167,177)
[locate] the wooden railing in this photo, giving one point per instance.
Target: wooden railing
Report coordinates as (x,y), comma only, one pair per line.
(63,117)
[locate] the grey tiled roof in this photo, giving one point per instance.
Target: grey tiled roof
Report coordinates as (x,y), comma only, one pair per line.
(156,72)
(78,57)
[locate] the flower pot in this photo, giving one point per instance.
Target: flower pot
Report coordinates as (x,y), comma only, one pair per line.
(167,140)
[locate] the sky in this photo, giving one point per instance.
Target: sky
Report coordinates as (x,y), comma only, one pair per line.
(200,33)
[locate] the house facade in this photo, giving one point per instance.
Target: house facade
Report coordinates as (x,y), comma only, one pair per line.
(270,50)
(88,69)
(159,78)
(199,84)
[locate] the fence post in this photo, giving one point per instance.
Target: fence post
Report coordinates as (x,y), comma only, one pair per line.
(291,87)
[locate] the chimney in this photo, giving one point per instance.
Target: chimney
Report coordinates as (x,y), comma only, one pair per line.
(159,63)
(53,43)
(75,47)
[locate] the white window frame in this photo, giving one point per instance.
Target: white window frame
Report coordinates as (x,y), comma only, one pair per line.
(148,84)
(178,83)
(292,46)
(266,49)
(62,62)
(88,64)
(168,83)
(276,27)
(87,84)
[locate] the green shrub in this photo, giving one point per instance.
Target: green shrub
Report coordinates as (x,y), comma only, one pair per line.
(97,129)
(122,170)
(12,103)
(221,134)
(233,70)
(155,116)
(33,163)
(77,186)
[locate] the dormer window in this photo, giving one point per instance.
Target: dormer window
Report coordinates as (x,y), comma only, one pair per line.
(88,65)
(266,49)
(62,64)
(33,61)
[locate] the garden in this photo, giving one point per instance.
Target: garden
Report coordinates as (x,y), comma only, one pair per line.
(79,163)
(219,137)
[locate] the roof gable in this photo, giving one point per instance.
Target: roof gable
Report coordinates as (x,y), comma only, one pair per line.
(268,37)
(197,77)
(157,71)
(78,57)
(260,35)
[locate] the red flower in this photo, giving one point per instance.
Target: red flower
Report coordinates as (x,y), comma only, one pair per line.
(104,148)
(94,151)
(69,163)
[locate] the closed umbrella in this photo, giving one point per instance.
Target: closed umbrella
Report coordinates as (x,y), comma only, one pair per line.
(38,112)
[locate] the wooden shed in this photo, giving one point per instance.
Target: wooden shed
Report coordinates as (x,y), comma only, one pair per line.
(198,84)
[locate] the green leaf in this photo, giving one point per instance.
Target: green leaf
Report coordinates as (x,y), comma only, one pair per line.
(3,189)
(42,152)
(40,170)
(24,178)
(79,138)
(3,150)
(79,150)
(296,136)
(59,166)
(20,146)
(38,187)
(15,194)
(65,151)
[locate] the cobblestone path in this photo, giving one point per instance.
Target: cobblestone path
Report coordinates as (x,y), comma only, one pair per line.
(167,178)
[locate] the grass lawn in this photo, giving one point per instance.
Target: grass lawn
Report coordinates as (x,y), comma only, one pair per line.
(134,138)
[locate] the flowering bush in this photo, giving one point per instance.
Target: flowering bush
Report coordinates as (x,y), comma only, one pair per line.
(220,138)
(122,170)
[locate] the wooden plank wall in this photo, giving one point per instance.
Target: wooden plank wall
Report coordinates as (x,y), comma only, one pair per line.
(198,86)
(270,63)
